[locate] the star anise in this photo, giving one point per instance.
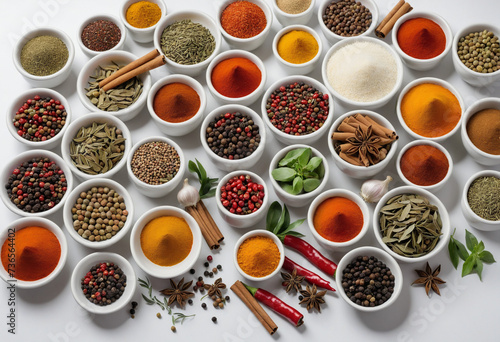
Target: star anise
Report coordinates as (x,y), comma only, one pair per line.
(177,292)
(214,289)
(430,279)
(312,298)
(292,281)
(365,145)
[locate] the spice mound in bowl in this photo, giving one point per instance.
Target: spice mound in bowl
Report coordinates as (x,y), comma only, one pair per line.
(347,18)
(421,38)
(243,19)
(236,77)
(483,130)
(101,33)
(44,55)
(143,14)
(297,47)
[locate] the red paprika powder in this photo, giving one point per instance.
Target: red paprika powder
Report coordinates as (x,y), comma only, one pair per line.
(421,38)
(338,219)
(424,165)
(176,102)
(243,19)
(236,77)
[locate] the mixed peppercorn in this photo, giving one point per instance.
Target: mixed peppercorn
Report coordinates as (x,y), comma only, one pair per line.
(242,196)
(104,284)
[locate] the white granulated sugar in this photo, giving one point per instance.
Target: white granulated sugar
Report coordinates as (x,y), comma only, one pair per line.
(362,71)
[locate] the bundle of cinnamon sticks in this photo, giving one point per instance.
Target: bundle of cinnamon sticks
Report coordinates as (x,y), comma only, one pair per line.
(208,227)
(388,22)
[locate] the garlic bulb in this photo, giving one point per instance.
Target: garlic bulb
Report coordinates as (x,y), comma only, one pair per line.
(188,196)
(372,190)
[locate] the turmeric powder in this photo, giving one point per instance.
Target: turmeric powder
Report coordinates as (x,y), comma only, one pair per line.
(258,256)
(297,47)
(143,14)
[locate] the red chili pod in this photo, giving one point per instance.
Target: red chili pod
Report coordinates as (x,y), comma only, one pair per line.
(311,254)
(311,277)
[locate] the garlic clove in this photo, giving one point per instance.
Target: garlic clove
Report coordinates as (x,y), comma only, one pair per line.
(188,196)
(372,190)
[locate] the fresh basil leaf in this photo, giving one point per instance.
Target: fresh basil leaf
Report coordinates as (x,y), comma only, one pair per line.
(311,184)
(462,251)
(281,221)
(287,187)
(468,265)
(297,185)
(292,226)
(286,222)
(273,216)
(310,175)
(321,170)
(479,268)
(313,164)
(479,247)
(486,257)
(283,174)
(291,157)
(209,194)
(193,168)
(304,157)
(296,234)
(470,240)
(453,251)
(203,172)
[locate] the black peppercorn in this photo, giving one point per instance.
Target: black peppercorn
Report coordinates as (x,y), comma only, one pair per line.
(214,319)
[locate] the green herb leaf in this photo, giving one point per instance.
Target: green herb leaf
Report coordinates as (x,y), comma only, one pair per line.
(479,268)
(207,184)
(278,221)
(296,234)
(313,164)
(291,157)
(311,184)
(193,168)
(479,247)
(283,174)
(297,185)
(203,172)
(468,265)
(470,240)
(462,251)
(273,216)
(486,257)
(286,222)
(288,188)
(310,174)
(281,220)
(294,224)
(304,157)
(453,251)
(321,170)
(210,193)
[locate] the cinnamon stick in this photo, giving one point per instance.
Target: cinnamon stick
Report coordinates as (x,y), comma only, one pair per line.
(388,17)
(212,244)
(346,127)
(350,160)
(214,229)
(345,147)
(382,31)
(342,136)
(388,132)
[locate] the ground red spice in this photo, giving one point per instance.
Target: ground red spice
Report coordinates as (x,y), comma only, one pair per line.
(243,19)
(236,77)
(338,219)
(421,38)
(424,165)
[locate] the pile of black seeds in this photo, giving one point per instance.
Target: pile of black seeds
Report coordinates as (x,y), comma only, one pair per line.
(347,18)
(104,283)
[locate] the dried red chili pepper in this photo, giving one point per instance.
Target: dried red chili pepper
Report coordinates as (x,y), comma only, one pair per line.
(310,276)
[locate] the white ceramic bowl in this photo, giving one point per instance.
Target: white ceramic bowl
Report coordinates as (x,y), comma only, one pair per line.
(445,219)
(441,83)
(357,104)
(177,128)
(86,121)
(289,139)
(196,17)
(103,59)
(147,265)
(242,221)
(85,265)
(381,256)
(472,77)
(49,81)
(86,186)
(286,19)
(156,191)
(361,171)
(264,233)
(245,100)
(478,155)
(435,187)
(7,232)
(107,17)
(20,100)
(292,68)
(251,43)
(472,218)
(21,158)
(416,63)
(141,35)
(304,198)
(333,37)
(234,164)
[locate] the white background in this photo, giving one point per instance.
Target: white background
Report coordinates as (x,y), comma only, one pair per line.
(465,311)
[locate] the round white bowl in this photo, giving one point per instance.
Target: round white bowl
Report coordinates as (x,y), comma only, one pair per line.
(21,158)
(479,156)
(434,187)
(474,78)
(381,256)
(103,59)
(251,43)
(49,81)
(361,171)
(86,186)
(292,68)
(147,265)
(416,63)
(472,218)
(242,221)
(85,265)
(196,17)
(234,164)
(37,222)
(445,219)
(246,100)
(156,191)
(107,17)
(289,139)
(286,19)
(177,128)
(141,35)
(264,233)
(441,83)
(86,121)
(20,100)
(303,198)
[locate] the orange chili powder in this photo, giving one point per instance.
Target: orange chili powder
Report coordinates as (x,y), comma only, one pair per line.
(338,219)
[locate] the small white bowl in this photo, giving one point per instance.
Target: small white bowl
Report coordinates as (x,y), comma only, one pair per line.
(306,197)
(147,265)
(289,139)
(234,164)
(472,218)
(246,100)
(333,37)
(445,219)
(292,68)
(21,158)
(177,128)
(251,43)
(351,103)
(86,186)
(86,121)
(434,187)
(103,59)
(441,83)
(286,19)
(328,244)
(85,265)
(479,156)
(267,234)
(141,35)
(17,225)
(474,78)
(106,17)
(361,171)
(416,63)
(195,17)
(155,191)
(381,256)
(20,100)
(242,221)
(49,81)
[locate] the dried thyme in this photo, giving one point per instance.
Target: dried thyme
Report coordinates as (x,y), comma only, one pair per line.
(483,197)
(44,55)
